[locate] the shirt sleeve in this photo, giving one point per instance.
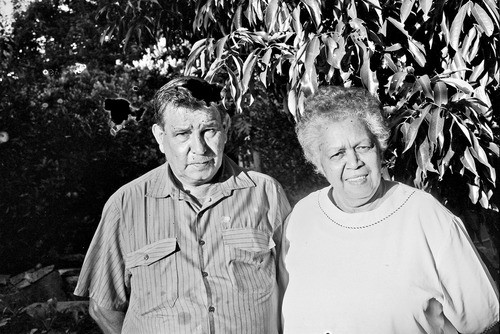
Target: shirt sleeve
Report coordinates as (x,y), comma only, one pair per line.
(103,277)
(280,240)
(470,294)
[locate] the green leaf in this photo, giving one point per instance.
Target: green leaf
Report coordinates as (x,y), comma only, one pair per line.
(425,5)
(416,52)
(477,71)
(424,156)
(394,47)
(399,26)
(467,42)
(405,9)
(445,162)
(339,53)
(219,46)
(479,153)
(436,125)
(296,24)
(330,46)
(473,193)
(311,53)
(374,3)
(235,88)
(463,85)
(483,19)
(248,67)
(271,14)
(390,62)
(492,7)
(314,9)
(468,161)
(292,103)
(457,25)
(444,29)
(462,127)
(368,77)
(458,65)
(414,126)
(494,148)
(425,83)
(237,17)
(267,57)
(440,93)
(395,81)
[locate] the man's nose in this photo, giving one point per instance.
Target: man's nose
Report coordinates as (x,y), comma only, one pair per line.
(198,144)
(353,160)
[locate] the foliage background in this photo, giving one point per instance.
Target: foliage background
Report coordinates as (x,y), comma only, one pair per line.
(61,163)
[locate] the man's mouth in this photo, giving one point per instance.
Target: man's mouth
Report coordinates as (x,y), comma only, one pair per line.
(201,162)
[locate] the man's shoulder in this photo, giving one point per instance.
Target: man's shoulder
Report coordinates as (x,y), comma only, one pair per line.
(258,179)
(141,183)
(261,178)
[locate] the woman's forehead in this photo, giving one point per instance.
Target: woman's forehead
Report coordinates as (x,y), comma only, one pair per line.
(344,131)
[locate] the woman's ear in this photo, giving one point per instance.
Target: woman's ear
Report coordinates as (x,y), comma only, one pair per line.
(158,133)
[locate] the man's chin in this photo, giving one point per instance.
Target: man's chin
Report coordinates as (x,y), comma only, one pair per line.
(202,176)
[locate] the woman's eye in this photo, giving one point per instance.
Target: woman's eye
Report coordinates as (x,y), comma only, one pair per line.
(363,148)
(337,156)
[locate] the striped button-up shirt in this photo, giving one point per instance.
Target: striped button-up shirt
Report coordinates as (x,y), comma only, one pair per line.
(176,267)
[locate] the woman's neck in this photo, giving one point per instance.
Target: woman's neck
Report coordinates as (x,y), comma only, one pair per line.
(374,202)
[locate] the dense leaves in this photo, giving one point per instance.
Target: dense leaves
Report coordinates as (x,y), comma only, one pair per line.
(434,66)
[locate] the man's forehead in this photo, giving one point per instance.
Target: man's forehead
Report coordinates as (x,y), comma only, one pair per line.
(186,116)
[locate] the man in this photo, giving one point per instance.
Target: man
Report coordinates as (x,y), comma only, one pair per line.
(195,245)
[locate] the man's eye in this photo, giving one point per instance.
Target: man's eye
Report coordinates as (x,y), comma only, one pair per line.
(181,134)
(211,132)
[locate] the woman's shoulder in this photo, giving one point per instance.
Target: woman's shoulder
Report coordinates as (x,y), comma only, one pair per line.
(427,209)
(309,201)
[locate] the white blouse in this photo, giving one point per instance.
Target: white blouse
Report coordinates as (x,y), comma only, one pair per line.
(406,267)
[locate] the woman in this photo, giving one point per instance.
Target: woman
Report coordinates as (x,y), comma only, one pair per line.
(374,256)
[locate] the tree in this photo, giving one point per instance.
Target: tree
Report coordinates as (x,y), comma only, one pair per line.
(59,162)
(433,64)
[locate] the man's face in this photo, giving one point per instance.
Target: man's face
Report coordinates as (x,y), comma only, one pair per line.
(193,142)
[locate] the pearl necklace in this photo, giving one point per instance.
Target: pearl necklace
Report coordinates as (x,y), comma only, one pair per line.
(364,226)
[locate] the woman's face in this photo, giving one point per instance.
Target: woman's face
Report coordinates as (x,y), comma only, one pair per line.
(349,158)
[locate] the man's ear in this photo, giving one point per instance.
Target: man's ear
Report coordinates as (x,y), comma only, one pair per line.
(226,123)
(158,133)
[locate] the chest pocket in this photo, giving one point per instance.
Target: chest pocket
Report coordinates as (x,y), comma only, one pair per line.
(154,280)
(251,259)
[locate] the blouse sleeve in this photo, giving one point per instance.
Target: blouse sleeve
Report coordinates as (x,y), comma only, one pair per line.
(103,276)
(470,294)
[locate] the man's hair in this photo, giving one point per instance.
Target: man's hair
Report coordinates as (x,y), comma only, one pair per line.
(335,104)
(188,92)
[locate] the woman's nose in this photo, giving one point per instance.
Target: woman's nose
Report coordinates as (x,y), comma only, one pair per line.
(353,160)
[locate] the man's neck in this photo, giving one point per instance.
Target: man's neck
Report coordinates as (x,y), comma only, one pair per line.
(200,192)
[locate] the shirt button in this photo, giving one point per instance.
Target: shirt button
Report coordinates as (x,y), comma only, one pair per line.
(211,309)
(146,257)
(204,273)
(202,242)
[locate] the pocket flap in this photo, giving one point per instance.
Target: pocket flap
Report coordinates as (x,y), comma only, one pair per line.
(151,253)
(247,239)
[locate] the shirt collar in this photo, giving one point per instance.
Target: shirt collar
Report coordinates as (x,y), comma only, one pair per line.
(233,177)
